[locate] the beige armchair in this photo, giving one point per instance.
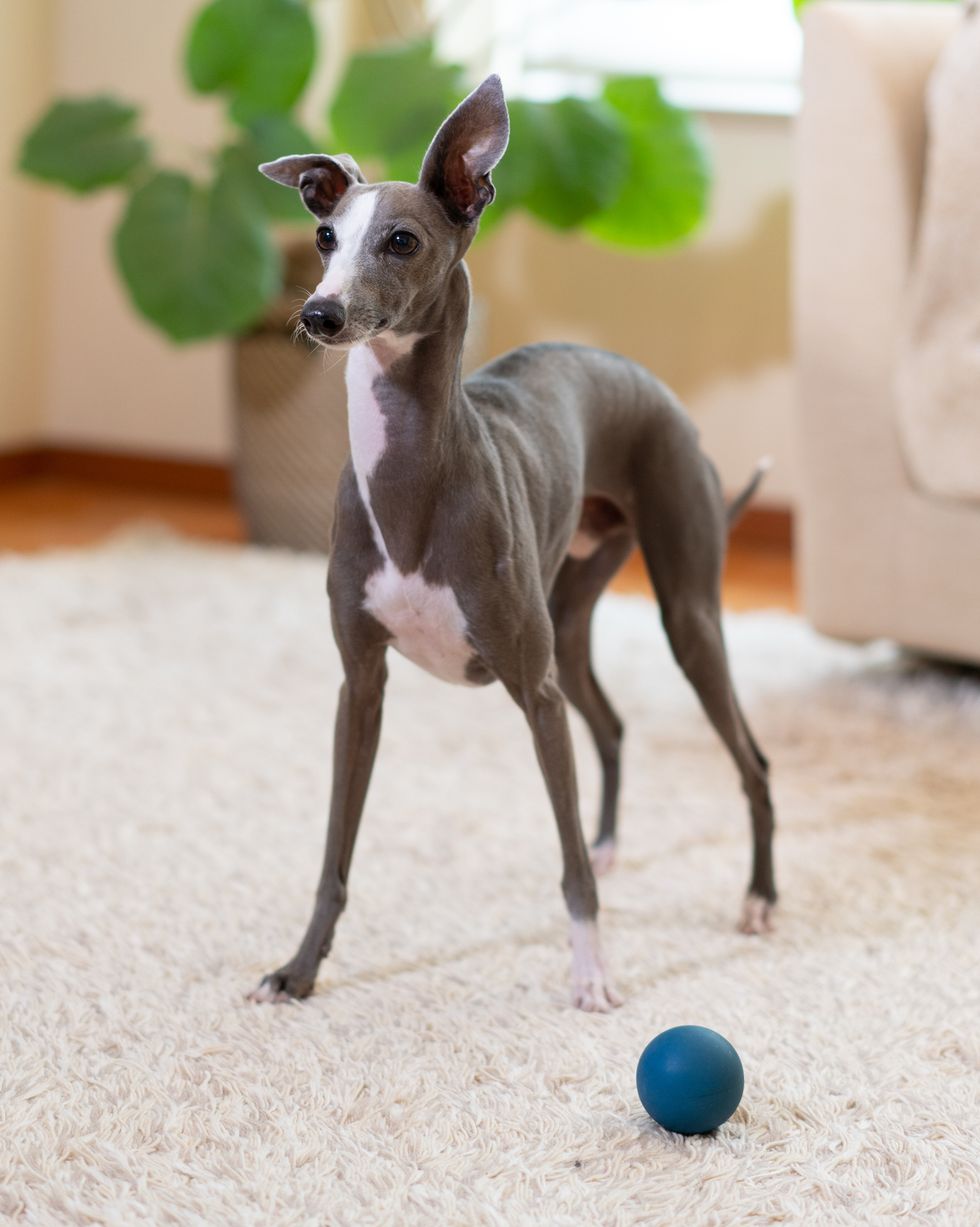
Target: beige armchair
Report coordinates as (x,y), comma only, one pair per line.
(877,556)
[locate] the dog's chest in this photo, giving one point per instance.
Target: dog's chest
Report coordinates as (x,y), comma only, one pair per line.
(424,620)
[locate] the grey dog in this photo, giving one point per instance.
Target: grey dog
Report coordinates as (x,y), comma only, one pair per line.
(477,523)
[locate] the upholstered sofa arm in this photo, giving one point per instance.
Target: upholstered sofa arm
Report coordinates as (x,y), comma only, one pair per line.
(860,155)
(861,148)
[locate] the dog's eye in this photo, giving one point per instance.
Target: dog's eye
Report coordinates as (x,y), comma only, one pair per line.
(402,243)
(326,240)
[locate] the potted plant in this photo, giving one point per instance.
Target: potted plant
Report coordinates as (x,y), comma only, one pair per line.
(226,254)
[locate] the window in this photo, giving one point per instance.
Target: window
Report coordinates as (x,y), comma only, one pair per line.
(730,55)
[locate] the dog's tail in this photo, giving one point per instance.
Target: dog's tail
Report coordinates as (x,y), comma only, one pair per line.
(741,500)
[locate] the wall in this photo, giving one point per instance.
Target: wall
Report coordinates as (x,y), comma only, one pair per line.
(25,71)
(113,382)
(711,319)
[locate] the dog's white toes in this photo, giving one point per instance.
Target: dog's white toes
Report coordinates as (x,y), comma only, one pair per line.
(591,989)
(756,916)
(603,857)
(595,996)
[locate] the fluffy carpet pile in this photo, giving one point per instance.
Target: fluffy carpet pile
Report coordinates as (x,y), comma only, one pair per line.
(165,724)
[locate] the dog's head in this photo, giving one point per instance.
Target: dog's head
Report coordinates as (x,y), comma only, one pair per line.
(387,248)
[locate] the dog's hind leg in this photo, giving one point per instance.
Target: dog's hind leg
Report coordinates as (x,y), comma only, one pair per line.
(683,533)
(576,590)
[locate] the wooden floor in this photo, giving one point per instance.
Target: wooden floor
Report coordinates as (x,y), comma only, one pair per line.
(50,511)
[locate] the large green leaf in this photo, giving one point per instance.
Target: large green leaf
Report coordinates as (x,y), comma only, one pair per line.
(664,194)
(390,104)
(263,140)
(260,52)
(84,144)
(197,260)
(565,160)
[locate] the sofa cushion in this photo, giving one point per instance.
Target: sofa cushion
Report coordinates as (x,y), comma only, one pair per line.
(939,362)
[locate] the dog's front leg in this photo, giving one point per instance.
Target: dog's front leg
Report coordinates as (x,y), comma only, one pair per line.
(356,735)
(544,707)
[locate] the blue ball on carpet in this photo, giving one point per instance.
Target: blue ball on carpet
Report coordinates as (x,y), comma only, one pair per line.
(690,1079)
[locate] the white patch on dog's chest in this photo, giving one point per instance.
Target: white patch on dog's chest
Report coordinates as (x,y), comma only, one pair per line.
(424,620)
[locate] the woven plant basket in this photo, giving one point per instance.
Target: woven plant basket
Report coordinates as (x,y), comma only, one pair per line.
(290,430)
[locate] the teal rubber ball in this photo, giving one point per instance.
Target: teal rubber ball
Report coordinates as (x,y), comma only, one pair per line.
(690,1079)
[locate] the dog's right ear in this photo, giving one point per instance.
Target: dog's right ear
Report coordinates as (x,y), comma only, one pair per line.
(321,179)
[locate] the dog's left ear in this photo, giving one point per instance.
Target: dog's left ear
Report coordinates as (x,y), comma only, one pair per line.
(465,150)
(321,179)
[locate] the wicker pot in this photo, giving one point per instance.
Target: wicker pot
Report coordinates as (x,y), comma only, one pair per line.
(290,427)
(290,419)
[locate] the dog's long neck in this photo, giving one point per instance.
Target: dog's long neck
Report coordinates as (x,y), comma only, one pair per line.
(408,418)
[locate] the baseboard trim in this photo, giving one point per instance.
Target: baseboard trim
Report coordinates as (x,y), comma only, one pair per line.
(765,526)
(18,464)
(166,474)
(759,526)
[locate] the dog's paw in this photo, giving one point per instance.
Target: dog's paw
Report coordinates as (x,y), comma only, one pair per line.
(591,989)
(756,916)
(595,996)
(280,986)
(603,856)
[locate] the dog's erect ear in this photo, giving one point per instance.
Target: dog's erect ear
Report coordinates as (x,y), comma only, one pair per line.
(465,150)
(321,179)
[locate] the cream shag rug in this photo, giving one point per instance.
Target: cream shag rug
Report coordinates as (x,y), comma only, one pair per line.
(165,724)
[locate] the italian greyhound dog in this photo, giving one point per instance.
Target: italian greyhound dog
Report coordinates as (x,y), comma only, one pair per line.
(477,523)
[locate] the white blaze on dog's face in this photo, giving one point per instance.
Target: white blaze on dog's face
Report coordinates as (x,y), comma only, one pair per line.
(346,240)
(388,248)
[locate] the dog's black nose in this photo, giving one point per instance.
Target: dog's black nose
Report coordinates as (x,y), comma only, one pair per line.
(324,317)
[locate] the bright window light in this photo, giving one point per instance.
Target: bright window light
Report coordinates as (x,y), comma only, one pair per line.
(730,55)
